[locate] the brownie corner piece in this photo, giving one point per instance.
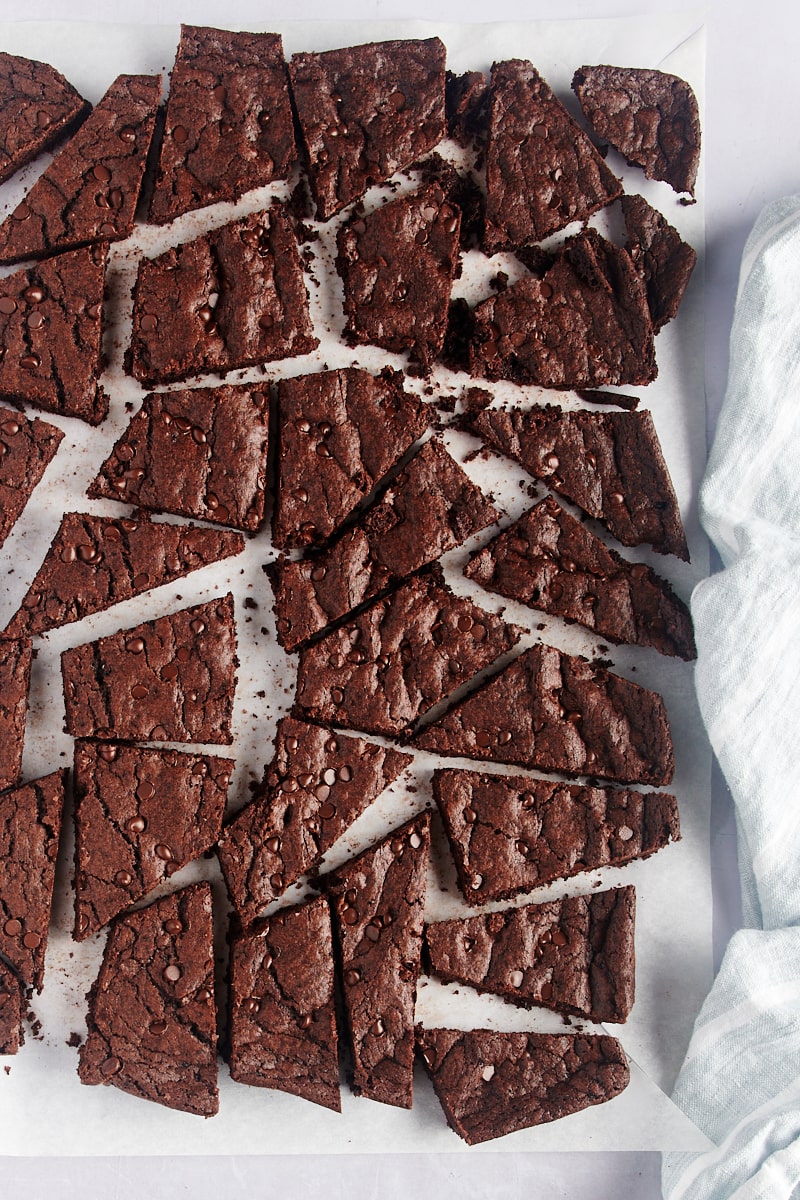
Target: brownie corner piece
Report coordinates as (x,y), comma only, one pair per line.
(660,255)
(38,106)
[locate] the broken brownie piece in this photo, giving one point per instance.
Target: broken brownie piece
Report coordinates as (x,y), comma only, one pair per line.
(90,190)
(234,297)
(431,507)
(551,562)
(383,669)
(466,105)
(512,833)
(11,1009)
(38,106)
(197,452)
(51,335)
(661,257)
(490,1083)
(649,116)
(140,815)
(378,902)
(555,712)
(315,787)
(542,170)
(15,673)
(152,1018)
(27,449)
(96,562)
(283,1020)
(397,266)
(574,955)
(168,680)
(228,126)
(609,464)
(366,112)
(339,432)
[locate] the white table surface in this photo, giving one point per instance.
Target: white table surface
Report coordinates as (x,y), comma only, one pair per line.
(752,141)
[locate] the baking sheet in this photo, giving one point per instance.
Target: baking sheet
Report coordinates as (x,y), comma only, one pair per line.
(674,902)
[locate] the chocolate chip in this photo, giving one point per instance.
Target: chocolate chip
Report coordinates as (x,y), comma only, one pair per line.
(34,295)
(123,878)
(137,825)
(110,1066)
(127,134)
(101,173)
(172,973)
(30,362)
(13,927)
(135,645)
(173,926)
(352,977)
(163,852)
(349,915)
(180,134)
(21,212)
(139,691)
(158,1028)
(148,323)
(326,811)
(107,753)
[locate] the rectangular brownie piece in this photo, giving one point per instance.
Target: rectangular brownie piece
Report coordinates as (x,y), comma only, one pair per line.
(15,673)
(26,449)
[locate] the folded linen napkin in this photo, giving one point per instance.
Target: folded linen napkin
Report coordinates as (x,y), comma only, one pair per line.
(740,1082)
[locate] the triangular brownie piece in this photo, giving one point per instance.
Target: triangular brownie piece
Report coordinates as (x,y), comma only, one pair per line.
(283,1019)
(339,432)
(168,680)
(152,1018)
(610,464)
(15,673)
(51,335)
(649,116)
(228,126)
(550,561)
(315,787)
(11,1007)
(582,321)
(96,562)
(383,669)
(37,107)
(431,507)
(490,1083)
(397,265)
(554,712)
(511,833)
(90,191)
(26,449)
(366,112)
(467,105)
(378,903)
(661,257)
(574,955)
(542,170)
(140,815)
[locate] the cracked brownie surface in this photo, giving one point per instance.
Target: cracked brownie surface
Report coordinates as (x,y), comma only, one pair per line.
(15,673)
(37,107)
(661,257)
(26,449)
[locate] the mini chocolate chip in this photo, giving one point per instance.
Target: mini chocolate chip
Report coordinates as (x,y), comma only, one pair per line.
(163,852)
(7,305)
(173,926)
(127,134)
(135,645)
(148,323)
(349,915)
(522,847)
(13,927)
(482,738)
(352,977)
(183,654)
(273,844)
(35,320)
(30,362)
(470,816)
(107,753)
(624,833)
(123,878)
(110,1066)
(101,173)
(547,991)
(326,811)
(372,933)
(21,212)
(139,691)
(197,626)
(137,825)
(378,1027)
(329,775)
(180,134)
(158,1028)
(252,1004)
(146,790)
(172,973)
(34,295)
(276,882)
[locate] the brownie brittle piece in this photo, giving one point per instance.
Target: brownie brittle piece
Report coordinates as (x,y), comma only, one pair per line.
(312,792)
(140,815)
(15,673)
(11,1010)
(283,1020)
(168,680)
(366,112)
(90,190)
(38,106)
(550,561)
(661,256)
(28,447)
(228,126)
(339,432)
(378,902)
(152,1018)
(466,105)
(542,170)
(491,1084)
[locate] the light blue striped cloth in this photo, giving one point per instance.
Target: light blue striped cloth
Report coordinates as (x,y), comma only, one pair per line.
(741,1079)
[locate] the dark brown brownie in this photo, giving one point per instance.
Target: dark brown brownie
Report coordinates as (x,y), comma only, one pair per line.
(550,561)
(511,833)
(90,190)
(228,126)
(378,902)
(197,452)
(574,955)
(466,106)
(38,106)
(649,116)
(609,398)
(96,562)
(11,1000)
(168,680)
(490,1084)
(661,256)
(431,507)
(555,712)
(366,112)
(152,1018)
(609,464)
(339,432)
(315,787)
(234,297)
(385,668)
(26,449)
(51,335)
(283,1021)
(542,170)
(583,323)
(15,674)
(397,266)
(140,815)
